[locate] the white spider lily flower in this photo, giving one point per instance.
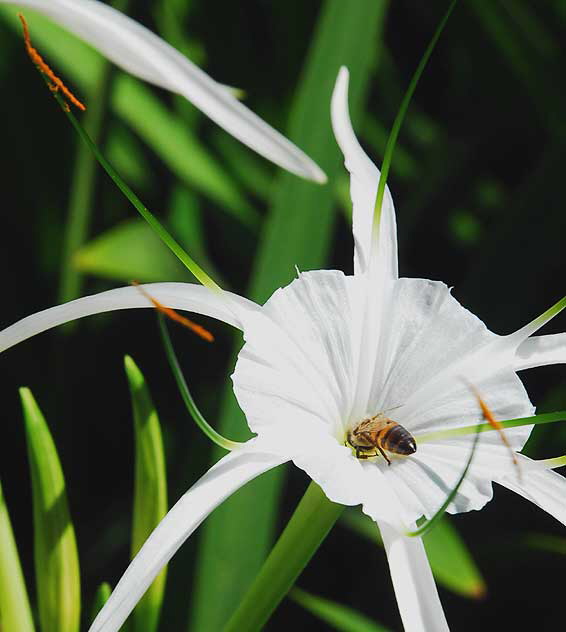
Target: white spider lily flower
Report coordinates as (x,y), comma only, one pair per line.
(326,352)
(140,52)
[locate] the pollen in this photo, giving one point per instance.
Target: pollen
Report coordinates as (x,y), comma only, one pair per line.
(54,82)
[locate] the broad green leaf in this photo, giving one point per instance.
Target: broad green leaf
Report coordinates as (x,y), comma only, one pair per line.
(449,557)
(125,152)
(150,490)
(101,596)
(55,547)
(298,231)
(15,612)
(130,250)
(165,132)
(336,615)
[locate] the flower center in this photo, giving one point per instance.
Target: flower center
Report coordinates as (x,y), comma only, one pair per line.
(378,435)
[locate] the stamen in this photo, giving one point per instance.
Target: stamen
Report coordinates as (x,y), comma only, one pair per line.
(489,417)
(55,84)
(173,315)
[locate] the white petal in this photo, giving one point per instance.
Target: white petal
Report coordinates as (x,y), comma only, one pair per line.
(543,487)
(298,355)
(541,351)
(228,475)
(142,53)
(224,306)
(415,590)
(364,178)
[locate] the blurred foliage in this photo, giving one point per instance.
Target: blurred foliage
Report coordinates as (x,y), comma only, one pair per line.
(477,180)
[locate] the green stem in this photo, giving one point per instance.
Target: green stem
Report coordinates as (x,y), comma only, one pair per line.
(190,403)
(314,517)
(82,190)
(392,140)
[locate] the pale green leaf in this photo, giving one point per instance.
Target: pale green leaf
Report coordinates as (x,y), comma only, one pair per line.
(130,251)
(15,612)
(101,596)
(55,548)
(150,490)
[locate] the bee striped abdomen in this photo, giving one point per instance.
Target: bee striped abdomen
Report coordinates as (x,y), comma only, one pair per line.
(396,439)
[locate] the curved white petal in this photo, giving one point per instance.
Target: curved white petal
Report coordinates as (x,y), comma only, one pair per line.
(541,351)
(142,53)
(224,478)
(225,306)
(364,178)
(415,590)
(298,359)
(542,486)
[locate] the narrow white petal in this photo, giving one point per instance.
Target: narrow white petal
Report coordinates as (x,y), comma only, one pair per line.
(228,475)
(364,178)
(542,486)
(224,306)
(415,590)
(142,53)
(541,351)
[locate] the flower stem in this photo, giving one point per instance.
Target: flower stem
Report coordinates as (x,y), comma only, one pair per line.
(314,517)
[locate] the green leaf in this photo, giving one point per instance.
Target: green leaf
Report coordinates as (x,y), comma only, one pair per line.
(15,612)
(336,615)
(130,250)
(101,596)
(309,525)
(449,557)
(55,548)
(164,131)
(298,231)
(150,490)
(554,544)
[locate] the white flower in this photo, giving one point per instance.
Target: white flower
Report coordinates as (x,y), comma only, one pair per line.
(142,53)
(328,351)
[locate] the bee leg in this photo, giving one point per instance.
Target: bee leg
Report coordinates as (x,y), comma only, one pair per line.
(384,455)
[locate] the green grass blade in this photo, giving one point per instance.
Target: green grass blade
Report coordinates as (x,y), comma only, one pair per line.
(165,132)
(392,140)
(55,547)
(149,217)
(338,616)
(15,611)
(190,403)
(429,523)
(298,231)
(450,560)
(309,525)
(150,490)
(101,596)
(130,250)
(81,195)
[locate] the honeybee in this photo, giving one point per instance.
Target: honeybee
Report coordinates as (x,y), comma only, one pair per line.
(381,433)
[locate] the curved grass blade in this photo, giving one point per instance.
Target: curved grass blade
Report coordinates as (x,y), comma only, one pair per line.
(338,616)
(298,231)
(427,525)
(190,403)
(394,133)
(101,596)
(449,557)
(55,548)
(150,490)
(15,611)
